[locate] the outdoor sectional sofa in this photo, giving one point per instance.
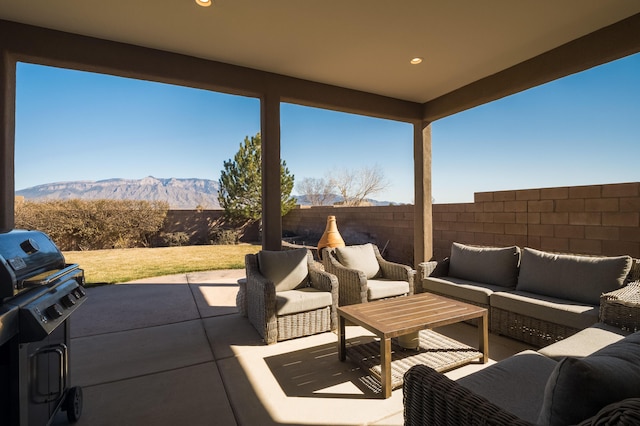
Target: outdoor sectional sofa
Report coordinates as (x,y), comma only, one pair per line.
(590,378)
(533,296)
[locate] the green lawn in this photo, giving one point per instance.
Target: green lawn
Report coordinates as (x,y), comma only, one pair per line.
(121,265)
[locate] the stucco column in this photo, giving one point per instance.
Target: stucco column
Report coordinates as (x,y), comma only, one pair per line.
(270,132)
(7,135)
(423,219)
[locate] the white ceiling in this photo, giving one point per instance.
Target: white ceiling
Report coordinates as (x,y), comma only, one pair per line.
(359,44)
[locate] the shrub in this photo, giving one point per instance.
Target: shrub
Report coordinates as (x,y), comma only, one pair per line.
(94,224)
(225,236)
(175,239)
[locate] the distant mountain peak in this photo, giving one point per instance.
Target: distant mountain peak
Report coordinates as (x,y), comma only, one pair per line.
(180,193)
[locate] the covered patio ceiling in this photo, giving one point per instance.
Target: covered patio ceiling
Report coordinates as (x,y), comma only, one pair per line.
(352,56)
(361,45)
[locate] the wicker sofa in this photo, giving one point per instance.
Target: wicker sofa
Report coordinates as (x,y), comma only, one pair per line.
(533,296)
(592,377)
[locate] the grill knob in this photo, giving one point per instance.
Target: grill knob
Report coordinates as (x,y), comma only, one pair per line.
(29,246)
(68,300)
(54,311)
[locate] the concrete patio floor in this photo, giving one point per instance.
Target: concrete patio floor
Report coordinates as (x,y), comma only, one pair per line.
(175,351)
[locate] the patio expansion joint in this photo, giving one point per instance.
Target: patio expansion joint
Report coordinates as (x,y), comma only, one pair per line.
(107,333)
(166,370)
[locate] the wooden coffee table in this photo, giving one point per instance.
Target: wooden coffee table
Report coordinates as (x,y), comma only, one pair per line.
(404,315)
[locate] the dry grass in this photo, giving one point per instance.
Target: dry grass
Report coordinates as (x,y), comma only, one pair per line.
(122,265)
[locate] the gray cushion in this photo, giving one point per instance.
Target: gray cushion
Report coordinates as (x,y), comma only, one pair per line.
(287,269)
(491,265)
(584,342)
(361,257)
(516,384)
(579,278)
(579,387)
(381,288)
(458,288)
(301,300)
(546,308)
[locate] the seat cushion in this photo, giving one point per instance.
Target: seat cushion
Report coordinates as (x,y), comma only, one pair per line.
(515,384)
(287,269)
(584,342)
(361,257)
(491,265)
(381,288)
(579,278)
(459,288)
(545,308)
(580,387)
(301,300)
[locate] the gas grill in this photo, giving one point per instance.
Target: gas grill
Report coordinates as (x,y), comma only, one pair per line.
(38,293)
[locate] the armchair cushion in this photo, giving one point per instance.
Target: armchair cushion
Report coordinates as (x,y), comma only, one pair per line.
(490,265)
(579,278)
(579,387)
(361,257)
(301,300)
(287,269)
(381,288)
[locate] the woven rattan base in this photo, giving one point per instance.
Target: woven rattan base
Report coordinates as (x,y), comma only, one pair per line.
(621,308)
(436,351)
(534,331)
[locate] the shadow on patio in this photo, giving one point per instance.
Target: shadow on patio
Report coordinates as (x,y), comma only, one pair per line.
(174,350)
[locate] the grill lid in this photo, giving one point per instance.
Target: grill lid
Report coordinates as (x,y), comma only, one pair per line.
(25,254)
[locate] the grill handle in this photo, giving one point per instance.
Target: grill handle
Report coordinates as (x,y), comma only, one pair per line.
(61,273)
(61,351)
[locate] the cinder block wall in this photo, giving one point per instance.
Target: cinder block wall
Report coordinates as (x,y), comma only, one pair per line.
(389,227)
(594,220)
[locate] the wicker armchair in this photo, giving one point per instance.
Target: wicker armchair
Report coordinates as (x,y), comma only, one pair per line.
(269,308)
(385,280)
(431,398)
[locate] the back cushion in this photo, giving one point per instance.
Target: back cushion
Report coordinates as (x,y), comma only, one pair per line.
(489,265)
(362,258)
(578,278)
(287,269)
(579,387)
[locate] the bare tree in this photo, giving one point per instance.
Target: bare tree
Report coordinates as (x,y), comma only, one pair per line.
(355,186)
(319,191)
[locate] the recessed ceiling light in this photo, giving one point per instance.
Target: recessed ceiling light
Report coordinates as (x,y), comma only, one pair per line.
(416,61)
(203,3)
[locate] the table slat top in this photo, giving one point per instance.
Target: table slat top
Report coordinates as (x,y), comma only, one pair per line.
(402,315)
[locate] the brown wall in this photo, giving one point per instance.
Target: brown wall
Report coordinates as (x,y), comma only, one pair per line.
(595,220)
(198,224)
(390,227)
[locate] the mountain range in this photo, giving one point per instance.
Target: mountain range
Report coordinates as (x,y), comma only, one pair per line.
(178,192)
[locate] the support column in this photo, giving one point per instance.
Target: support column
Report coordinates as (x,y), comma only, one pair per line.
(423,213)
(7,140)
(271,205)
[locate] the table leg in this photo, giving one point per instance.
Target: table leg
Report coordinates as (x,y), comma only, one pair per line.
(385,366)
(342,340)
(483,330)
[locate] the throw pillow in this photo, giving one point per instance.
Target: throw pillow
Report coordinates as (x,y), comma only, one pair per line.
(579,278)
(580,387)
(287,269)
(489,265)
(361,257)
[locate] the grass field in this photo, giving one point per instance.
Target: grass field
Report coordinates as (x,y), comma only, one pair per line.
(122,265)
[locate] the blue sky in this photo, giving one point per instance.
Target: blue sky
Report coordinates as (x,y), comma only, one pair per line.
(580,130)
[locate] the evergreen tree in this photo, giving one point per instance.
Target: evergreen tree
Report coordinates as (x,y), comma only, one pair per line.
(240,192)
